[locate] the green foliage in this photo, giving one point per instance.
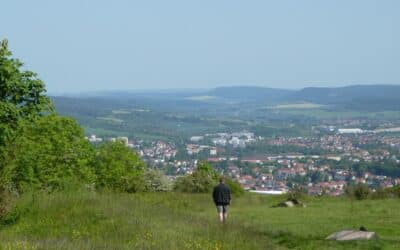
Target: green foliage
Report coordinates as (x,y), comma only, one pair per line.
(12,216)
(383,193)
(51,152)
(41,150)
(10,213)
(235,187)
(118,168)
(359,191)
(5,202)
(154,181)
(200,181)
(203,180)
(386,167)
(395,191)
(22,94)
(47,153)
(316,176)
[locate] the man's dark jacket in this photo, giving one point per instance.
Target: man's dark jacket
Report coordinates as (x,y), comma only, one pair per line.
(222,195)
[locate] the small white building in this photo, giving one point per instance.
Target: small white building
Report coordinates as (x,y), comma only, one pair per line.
(196,138)
(350,131)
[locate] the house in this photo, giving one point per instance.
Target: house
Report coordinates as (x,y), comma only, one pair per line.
(285,173)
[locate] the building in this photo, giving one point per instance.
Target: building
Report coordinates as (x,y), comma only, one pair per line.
(350,131)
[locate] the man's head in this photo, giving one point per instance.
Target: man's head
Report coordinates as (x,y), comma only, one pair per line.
(221,179)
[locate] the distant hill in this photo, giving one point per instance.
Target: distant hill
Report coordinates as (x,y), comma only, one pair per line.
(359,97)
(251,93)
(356,97)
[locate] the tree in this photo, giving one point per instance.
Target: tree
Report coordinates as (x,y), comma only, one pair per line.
(22,94)
(39,149)
(359,191)
(316,176)
(47,153)
(200,181)
(118,168)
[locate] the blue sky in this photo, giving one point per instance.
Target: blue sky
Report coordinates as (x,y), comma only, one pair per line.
(82,45)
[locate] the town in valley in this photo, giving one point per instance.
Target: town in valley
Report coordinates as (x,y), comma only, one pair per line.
(325,163)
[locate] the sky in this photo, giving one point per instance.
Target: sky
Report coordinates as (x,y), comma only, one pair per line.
(82,45)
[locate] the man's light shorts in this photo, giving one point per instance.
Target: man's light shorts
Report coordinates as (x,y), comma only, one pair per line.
(222,208)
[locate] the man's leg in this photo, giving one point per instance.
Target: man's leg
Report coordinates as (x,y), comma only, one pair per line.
(225,213)
(221,217)
(220,211)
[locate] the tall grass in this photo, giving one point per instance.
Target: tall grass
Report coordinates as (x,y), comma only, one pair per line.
(89,220)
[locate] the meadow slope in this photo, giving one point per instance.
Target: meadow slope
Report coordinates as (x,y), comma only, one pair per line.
(89,220)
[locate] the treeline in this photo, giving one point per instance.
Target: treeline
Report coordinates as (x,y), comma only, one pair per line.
(388,168)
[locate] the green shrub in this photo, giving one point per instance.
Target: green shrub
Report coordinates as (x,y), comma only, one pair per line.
(9,213)
(5,201)
(118,168)
(359,191)
(11,217)
(383,193)
(45,154)
(198,182)
(380,193)
(202,180)
(235,187)
(154,181)
(395,191)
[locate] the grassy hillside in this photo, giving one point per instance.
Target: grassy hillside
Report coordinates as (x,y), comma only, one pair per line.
(85,220)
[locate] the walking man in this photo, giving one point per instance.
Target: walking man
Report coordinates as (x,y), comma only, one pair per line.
(222,199)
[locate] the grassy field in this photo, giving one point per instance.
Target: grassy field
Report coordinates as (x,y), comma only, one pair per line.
(88,220)
(305,105)
(201,98)
(111,119)
(320,113)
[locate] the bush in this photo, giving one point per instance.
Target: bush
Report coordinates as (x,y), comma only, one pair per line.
(235,187)
(202,180)
(118,168)
(395,191)
(383,193)
(154,181)
(47,153)
(11,217)
(198,182)
(359,191)
(380,193)
(4,203)
(9,214)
